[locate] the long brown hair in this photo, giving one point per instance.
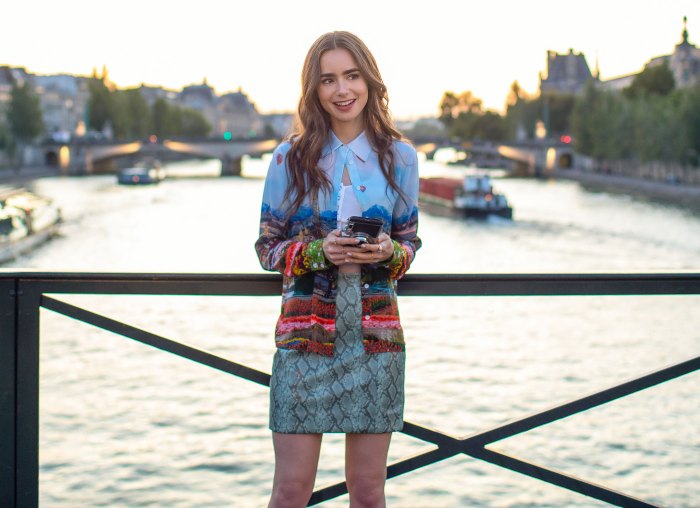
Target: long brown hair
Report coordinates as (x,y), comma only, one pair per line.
(313,122)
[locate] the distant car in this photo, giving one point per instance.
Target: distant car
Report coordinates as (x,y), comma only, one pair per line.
(140,176)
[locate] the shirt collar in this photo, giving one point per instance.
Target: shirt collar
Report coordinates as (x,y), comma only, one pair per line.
(359,146)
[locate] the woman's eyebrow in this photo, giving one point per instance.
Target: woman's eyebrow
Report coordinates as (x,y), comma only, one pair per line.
(345,73)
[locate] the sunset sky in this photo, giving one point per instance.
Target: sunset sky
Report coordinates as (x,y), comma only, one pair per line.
(423,48)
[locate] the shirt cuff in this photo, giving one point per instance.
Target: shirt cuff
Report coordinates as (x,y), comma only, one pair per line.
(315,257)
(394,261)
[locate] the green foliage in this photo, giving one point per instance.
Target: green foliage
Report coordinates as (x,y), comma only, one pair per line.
(489,126)
(162,118)
(523,114)
(24,113)
(645,127)
(171,120)
(193,123)
(560,108)
(426,128)
(132,117)
(689,119)
(554,110)
(453,105)
(101,104)
(464,117)
(657,80)
(5,137)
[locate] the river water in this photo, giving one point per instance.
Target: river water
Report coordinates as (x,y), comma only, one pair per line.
(125,425)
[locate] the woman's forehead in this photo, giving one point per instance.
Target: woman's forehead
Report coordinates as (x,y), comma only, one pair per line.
(337,61)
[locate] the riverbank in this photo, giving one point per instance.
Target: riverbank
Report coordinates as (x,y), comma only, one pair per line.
(675,194)
(27,173)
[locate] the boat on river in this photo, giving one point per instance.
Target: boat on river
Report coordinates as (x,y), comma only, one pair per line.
(472,196)
(146,172)
(26,221)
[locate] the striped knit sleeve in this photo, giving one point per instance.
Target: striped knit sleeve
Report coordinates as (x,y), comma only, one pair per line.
(276,252)
(404,221)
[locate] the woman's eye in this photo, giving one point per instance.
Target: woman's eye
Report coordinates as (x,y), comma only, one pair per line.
(353,76)
(326,81)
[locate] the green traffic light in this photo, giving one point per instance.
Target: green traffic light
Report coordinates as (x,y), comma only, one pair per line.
(227,136)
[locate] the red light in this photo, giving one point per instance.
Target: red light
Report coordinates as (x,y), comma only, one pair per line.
(565,139)
(153,138)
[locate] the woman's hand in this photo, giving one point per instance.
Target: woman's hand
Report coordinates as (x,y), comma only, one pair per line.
(336,248)
(368,253)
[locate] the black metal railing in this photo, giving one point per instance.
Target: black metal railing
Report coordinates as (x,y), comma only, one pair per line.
(24,294)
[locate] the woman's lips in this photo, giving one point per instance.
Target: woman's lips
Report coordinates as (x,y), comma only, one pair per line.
(345,105)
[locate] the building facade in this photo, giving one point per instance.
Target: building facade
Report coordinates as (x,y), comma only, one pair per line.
(64,102)
(684,64)
(231,115)
(567,73)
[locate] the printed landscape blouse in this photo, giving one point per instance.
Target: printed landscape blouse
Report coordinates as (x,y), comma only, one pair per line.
(293,246)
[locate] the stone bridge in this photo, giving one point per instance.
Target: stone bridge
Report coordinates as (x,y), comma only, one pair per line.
(89,157)
(534,158)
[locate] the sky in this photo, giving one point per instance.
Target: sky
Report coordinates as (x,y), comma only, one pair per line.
(423,48)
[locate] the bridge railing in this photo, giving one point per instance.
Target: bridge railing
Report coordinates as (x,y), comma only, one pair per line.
(24,294)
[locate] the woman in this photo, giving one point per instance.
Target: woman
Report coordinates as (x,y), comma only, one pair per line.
(339,366)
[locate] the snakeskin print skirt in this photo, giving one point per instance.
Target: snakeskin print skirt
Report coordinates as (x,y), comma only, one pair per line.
(349,392)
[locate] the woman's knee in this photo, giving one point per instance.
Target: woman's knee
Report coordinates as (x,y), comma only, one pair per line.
(291,493)
(366,490)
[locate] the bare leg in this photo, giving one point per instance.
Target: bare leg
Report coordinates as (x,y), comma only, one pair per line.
(365,469)
(296,462)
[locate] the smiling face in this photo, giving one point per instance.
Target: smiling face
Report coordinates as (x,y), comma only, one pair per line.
(342,93)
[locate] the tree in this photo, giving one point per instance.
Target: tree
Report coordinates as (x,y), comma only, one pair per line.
(139,114)
(464,117)
(162,117)
(489,126)
(24,113)
(5,137)
(656,80)
(560,107)
(448,108)
(515,94)
(193,123)
(452,105)
(100,104)
(689,119)
(131,117)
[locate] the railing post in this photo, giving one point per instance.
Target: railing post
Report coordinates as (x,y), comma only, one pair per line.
(27,403)
(8,386)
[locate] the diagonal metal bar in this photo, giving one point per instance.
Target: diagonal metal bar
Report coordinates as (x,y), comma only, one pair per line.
(393,470)
(448,446)
(474,445)
(565,481)
(156,341)
(584,403)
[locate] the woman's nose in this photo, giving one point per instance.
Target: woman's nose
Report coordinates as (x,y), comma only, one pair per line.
(342,87)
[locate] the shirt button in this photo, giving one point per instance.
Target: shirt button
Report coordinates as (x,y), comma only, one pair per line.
(367,317)
(366,286)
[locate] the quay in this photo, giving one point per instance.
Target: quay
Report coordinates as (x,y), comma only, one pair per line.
(23,294)
(672,193)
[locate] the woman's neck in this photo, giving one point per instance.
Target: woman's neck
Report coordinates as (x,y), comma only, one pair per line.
(347,131)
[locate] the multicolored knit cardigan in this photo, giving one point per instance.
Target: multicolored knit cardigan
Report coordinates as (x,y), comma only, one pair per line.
(292,245)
